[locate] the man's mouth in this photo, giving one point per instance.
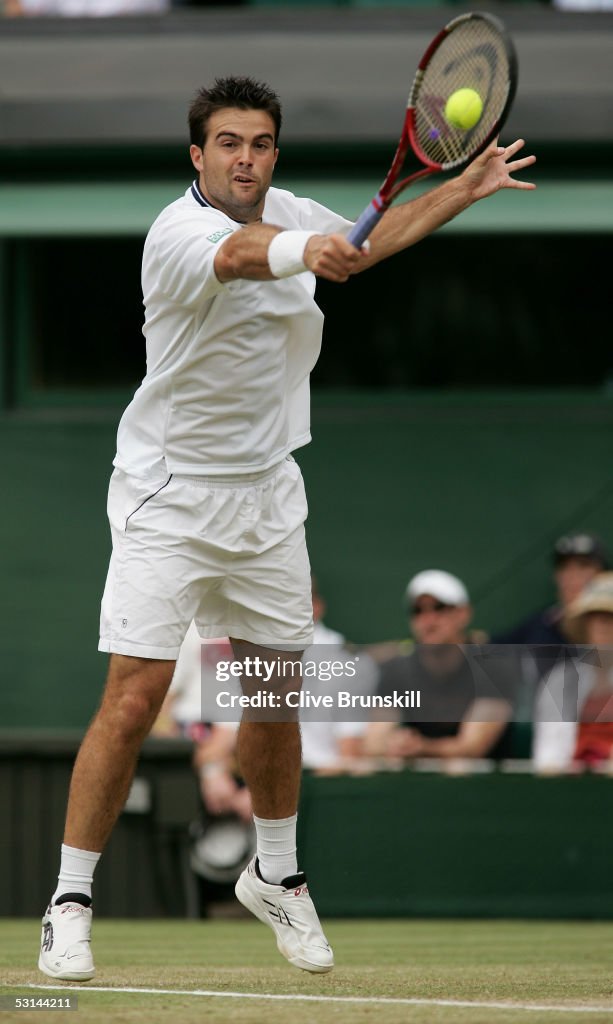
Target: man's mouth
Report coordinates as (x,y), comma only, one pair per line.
(242,179)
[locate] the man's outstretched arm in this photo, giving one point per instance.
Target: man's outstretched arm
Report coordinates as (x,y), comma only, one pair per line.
(404,225)
(247,253)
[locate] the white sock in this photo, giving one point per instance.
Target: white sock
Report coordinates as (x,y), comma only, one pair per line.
(76,871)
(276,848)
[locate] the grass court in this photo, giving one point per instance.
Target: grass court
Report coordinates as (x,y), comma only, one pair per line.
(420,972)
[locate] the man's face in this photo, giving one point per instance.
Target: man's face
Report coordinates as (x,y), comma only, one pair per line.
(235,167)
(572,575)
(433,622)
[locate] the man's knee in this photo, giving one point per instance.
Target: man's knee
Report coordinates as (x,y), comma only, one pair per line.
(270,675)
(134,693)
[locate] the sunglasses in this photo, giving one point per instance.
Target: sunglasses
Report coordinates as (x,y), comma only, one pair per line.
(438,606)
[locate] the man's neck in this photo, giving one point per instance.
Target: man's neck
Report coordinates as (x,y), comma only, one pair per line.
(207,201)
(441,659)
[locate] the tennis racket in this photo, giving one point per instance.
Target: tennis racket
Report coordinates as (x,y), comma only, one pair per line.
(474,51)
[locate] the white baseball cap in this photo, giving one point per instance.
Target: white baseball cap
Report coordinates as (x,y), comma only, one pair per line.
(435,583)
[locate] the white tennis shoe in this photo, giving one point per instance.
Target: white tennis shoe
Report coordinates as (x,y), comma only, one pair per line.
(288,910)
(65,950)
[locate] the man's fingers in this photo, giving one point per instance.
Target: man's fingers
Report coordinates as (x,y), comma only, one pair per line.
(340,245)
(332,275)
(331,261)
(493,150)
(514,148)
(513,183)
(331,270)
(331,256)
(518,165)
(337,259)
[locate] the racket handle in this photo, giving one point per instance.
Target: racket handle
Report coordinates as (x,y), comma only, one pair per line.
(365,223)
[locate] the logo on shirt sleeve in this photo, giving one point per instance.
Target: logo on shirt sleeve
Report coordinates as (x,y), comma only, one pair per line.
(218,235)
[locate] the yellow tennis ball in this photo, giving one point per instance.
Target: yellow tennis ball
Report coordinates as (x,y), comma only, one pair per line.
(464,108)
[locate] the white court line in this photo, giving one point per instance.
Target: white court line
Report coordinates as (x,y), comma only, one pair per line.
(384,1000)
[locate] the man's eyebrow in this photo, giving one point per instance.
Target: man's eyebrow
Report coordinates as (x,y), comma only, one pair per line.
(235,135)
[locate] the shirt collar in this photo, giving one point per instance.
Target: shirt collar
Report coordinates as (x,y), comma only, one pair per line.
(198,196)
(201,199)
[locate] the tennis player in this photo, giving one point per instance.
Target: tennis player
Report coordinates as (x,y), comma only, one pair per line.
(206,504)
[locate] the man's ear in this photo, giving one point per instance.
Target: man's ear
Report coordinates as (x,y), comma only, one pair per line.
(466,614)
(196,155)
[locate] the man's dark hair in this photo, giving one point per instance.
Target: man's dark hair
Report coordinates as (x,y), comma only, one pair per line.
(243,93)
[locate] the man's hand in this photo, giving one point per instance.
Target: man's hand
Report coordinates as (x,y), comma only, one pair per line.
(333,257)
(222,794)
(492,170)
(405,743)
(218,789)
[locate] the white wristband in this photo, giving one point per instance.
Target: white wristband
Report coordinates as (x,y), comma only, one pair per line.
(286,251)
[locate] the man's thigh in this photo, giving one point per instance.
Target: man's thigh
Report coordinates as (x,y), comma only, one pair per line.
(232,556)
(267,587)
(162,567)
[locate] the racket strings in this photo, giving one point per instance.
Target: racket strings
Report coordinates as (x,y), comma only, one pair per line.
(473,55)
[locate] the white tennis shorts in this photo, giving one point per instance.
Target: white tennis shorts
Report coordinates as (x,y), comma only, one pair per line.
(230,554)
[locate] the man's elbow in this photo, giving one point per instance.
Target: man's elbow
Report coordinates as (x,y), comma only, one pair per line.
(226,268)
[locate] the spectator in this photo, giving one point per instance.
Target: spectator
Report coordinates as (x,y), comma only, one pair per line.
(577,558)
(331,747)
(574,710)
(83,8)
(463,713)
(583,5)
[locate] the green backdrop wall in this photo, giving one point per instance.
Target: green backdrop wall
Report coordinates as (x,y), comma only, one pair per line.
(486,845)
(480,485)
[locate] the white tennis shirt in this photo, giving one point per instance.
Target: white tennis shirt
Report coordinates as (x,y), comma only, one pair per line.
(227,385)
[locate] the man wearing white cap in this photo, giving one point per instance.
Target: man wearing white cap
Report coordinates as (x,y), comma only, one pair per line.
(463,712)
(439,608)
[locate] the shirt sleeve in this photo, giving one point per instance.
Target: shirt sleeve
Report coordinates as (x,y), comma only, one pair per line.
(315,217)
(180,255)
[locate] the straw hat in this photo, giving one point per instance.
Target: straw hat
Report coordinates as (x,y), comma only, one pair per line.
(596,597)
